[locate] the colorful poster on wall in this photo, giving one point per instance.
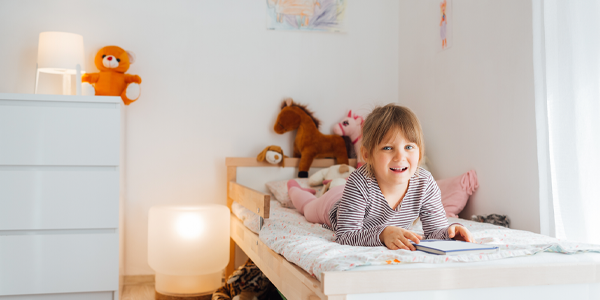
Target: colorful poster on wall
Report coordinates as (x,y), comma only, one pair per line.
(445,23)
(306,15)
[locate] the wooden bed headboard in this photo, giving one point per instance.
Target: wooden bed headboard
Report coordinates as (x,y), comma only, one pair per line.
(256,201)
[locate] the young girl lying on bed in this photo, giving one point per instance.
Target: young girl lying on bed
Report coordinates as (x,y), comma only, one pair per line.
(382,198)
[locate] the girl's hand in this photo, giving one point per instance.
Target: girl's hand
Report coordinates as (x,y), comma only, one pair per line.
(398,238)
(458,232)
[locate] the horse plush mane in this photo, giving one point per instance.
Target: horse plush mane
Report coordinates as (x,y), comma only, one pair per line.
(284,104)
(309,142)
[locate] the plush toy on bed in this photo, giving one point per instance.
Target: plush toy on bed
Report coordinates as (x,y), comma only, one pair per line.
(309,142)
(113,62)
(500,220)
(272,155)
(351,126)
(247,283)
(330,177)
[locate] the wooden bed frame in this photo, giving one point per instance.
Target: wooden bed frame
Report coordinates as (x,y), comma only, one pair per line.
(295,283)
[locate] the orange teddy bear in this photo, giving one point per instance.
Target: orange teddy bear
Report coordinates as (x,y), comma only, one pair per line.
(113,62)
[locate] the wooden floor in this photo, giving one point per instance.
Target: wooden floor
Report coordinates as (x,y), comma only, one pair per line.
(142,288)
(138,292)
(138,288)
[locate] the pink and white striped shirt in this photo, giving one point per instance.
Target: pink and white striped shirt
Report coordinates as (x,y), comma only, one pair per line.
(363,212)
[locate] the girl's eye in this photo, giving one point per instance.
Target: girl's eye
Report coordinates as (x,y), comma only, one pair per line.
(118,60)
(387,148)
(103,56)
(409,147)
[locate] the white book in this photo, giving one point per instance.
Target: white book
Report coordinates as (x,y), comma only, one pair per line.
(453,247)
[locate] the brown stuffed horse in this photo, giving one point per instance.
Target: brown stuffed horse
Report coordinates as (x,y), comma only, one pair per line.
(309,143)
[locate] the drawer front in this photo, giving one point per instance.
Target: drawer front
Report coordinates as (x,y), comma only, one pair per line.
(70,296)
(59,133)
(40,263)
(38,197)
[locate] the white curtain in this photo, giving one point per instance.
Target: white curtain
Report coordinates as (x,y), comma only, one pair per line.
(567,87)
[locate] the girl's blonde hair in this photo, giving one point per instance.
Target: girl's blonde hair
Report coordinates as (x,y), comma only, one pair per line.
(388,118)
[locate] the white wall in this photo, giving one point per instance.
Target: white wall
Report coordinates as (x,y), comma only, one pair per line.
(213,78)
(476,100)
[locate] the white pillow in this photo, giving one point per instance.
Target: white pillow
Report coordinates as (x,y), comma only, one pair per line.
(280,192)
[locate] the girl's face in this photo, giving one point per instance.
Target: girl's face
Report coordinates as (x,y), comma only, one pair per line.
(395,160)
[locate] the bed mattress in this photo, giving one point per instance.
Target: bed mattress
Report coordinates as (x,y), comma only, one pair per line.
(313,248)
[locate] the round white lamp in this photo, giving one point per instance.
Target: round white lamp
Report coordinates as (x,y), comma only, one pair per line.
(61,53)
(188,248)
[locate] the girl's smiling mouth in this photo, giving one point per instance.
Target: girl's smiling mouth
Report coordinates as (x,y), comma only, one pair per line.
(399,169)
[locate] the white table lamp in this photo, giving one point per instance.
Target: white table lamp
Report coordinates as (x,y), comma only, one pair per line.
(188,248)
(61,53)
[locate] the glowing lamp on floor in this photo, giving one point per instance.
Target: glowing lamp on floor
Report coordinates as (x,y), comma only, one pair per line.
(188,248)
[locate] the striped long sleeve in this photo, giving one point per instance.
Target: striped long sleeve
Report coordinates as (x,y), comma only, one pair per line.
(363,212)
(351,213)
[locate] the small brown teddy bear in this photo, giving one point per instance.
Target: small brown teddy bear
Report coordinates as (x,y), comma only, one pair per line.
(272,155)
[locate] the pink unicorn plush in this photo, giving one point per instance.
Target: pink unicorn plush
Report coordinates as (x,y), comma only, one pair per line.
(351,126)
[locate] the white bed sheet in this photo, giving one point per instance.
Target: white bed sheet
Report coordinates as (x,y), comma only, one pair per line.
(542,258)
(312,248)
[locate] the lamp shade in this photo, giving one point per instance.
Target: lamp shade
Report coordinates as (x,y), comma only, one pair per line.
(188,247)
(60,52)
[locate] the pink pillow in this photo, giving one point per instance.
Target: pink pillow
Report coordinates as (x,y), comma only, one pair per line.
(456,192)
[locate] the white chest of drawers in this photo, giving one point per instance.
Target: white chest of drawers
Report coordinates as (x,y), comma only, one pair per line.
(60,196)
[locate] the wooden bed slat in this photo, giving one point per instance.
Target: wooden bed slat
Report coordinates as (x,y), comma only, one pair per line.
(231,176)
(288,162)
(257,202)
(246,162)
(292,281)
